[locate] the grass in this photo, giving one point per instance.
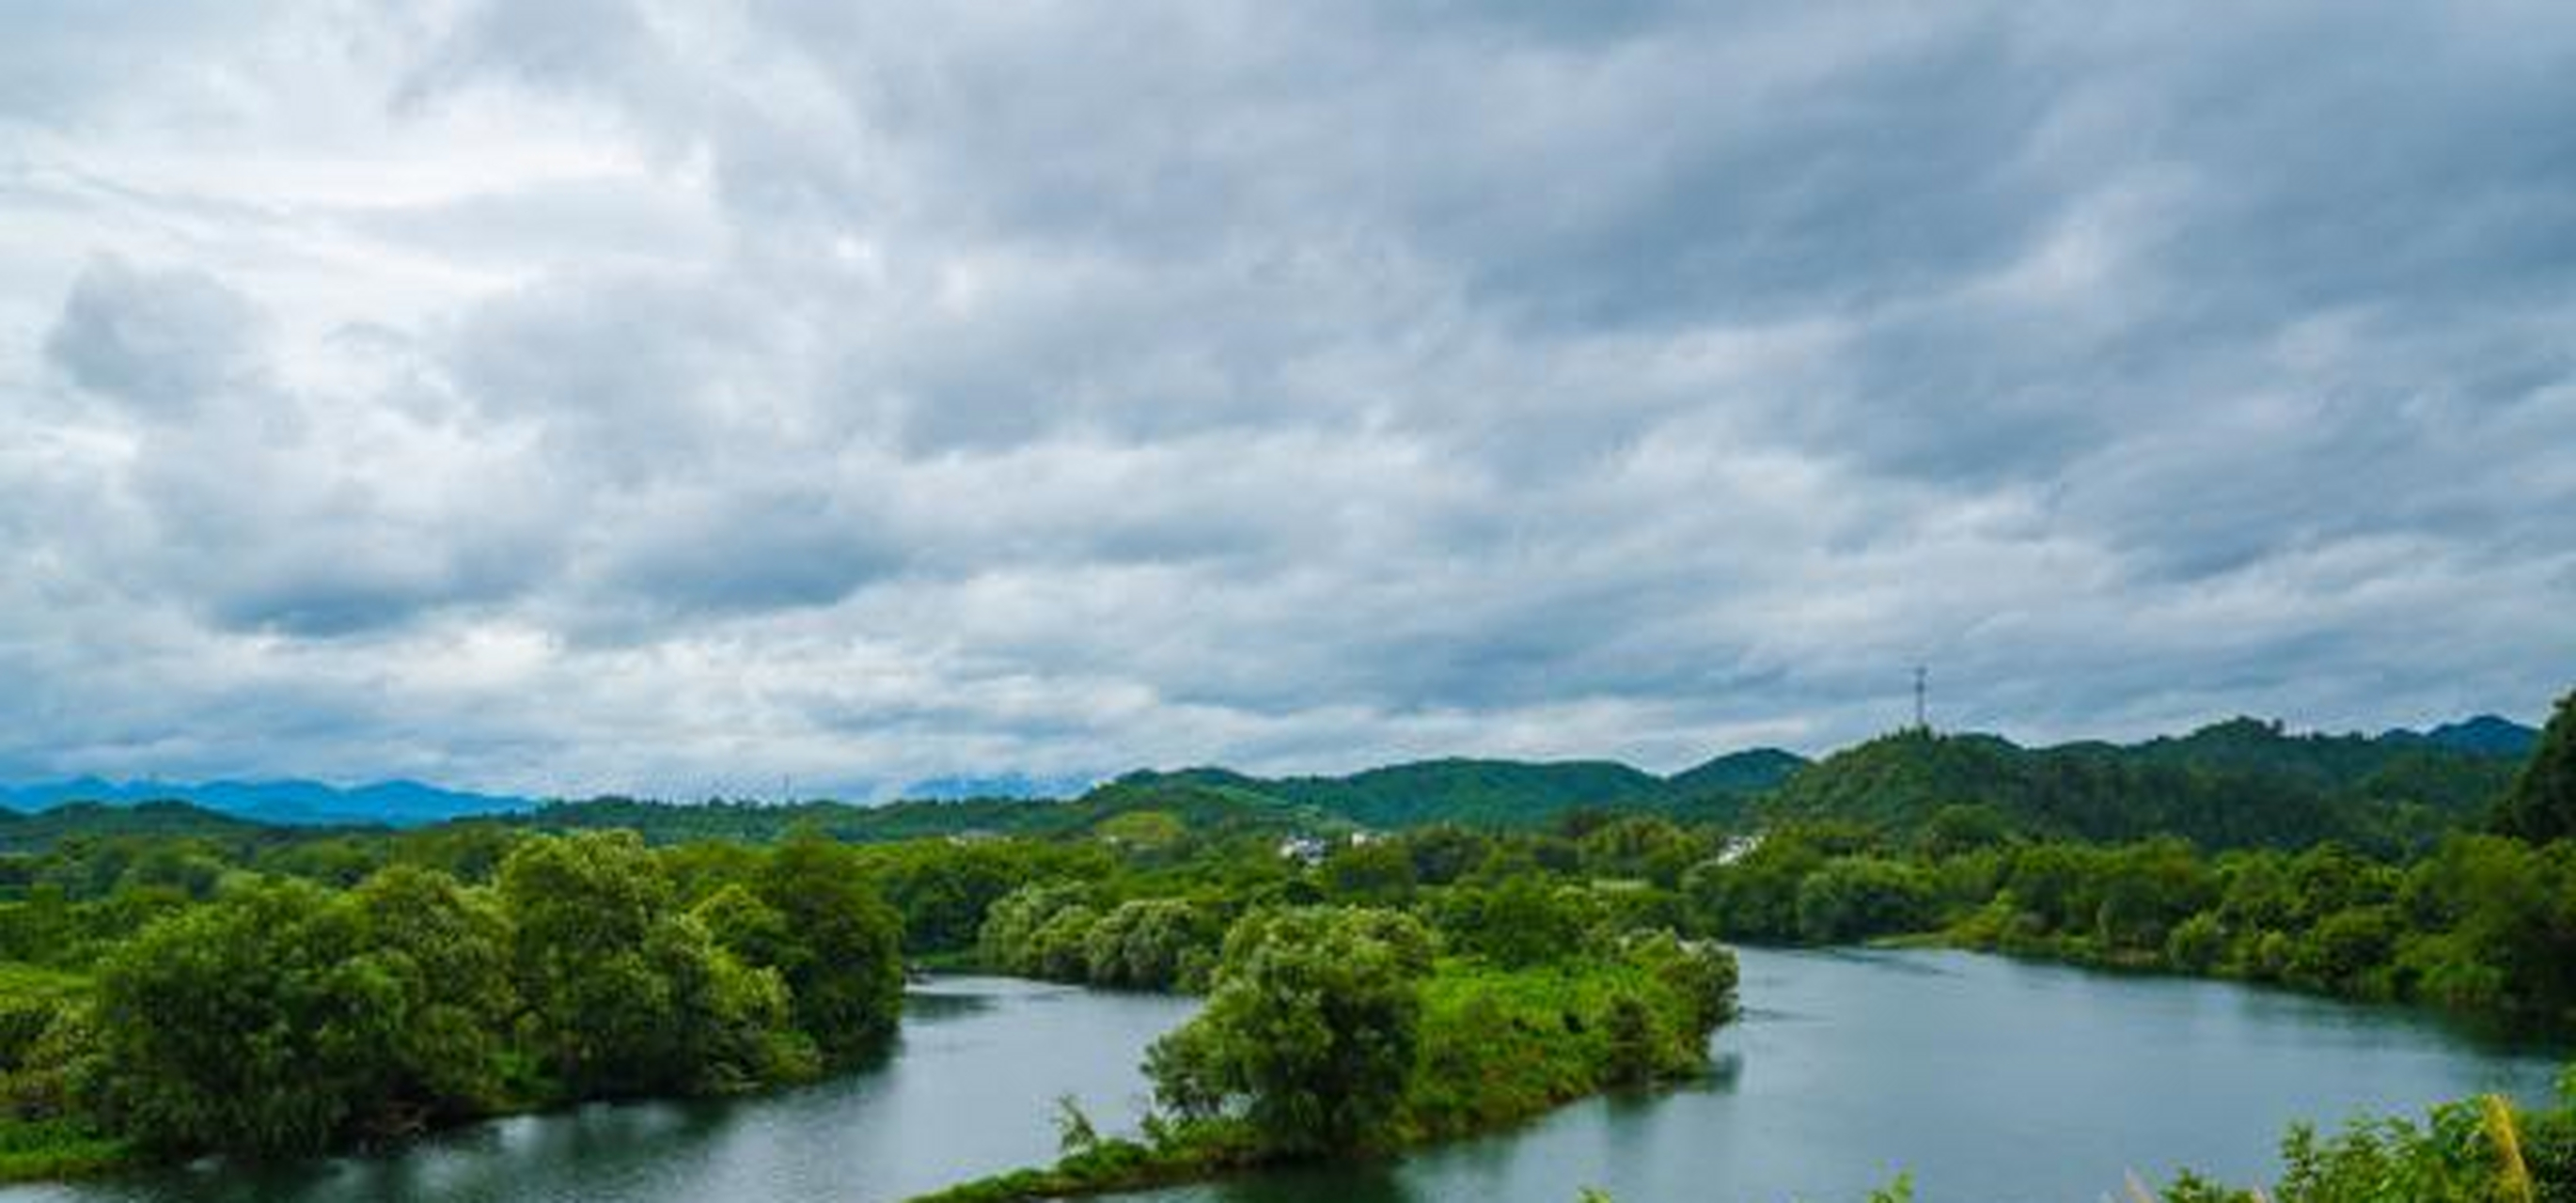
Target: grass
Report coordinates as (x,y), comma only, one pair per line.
(53,1147)
(1500,1046)
(56,1148)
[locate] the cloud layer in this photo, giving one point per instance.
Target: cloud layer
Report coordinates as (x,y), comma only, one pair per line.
(679,397)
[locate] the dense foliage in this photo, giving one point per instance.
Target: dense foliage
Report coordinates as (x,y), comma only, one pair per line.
(2480,1151)
(2482,924)
(2236,784)
(266,1014)
(623,991)
(1501,792)
(1311,1032)
(2542,804)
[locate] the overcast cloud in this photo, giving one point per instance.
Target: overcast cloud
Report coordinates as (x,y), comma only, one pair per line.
(677,397)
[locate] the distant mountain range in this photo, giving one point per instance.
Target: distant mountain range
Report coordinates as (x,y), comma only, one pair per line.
(2230,784)
(2486,735)
(2238,782)
(390,803)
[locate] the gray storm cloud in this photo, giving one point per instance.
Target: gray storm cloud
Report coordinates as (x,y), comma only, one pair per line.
(662,397)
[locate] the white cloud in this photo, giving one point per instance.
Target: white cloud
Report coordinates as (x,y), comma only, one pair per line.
(671,397)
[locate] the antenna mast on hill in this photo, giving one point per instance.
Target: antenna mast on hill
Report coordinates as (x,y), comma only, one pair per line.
(1922,677)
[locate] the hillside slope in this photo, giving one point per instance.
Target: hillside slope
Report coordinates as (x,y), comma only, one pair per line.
(2231,784)
(1507,793)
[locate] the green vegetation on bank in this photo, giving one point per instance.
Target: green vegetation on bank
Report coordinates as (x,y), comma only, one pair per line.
(1340,1031)
(2476,922)
(2542,803)
(2483,924)
(269,1015)
(34,1142)
(2483,1150)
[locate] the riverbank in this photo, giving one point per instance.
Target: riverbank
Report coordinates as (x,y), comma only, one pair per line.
(39,1150)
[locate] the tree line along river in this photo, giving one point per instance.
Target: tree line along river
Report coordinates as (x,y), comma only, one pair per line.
(1989,1080)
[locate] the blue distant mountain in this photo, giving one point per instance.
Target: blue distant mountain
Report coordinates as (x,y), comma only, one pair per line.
(390,803)
(2485,735)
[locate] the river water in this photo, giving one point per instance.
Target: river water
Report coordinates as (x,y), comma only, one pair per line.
(1991,1081)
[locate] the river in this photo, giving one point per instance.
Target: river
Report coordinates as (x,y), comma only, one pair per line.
(1991,1081)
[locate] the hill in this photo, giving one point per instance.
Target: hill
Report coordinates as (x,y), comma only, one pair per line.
(1504,793)
(1207,800)
(2238,783)
(1739,773)
(2485,734)
(1199,807)
(92,820)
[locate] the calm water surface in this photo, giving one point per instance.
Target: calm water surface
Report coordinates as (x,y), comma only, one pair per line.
(968,1090)
(1992,1081)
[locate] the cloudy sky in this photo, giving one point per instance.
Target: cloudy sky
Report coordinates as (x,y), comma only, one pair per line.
(682,396)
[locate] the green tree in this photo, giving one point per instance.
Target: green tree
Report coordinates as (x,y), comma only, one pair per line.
(2347,952)
(1755,897)
(1701,974)
(744,925)
(1009,939)
(1444,852)
(1963,827)
(624,993)
(442,952)
(2146,889)
(842,956)
(944,891)
(1523,920)
(1151,943)
(2541,806)
(1373,871)
(1060,949)
(1855,897)
(1310,1032)
(1635,1047)
(2496,922)
(240,1025)
(1640,846)
(2196,944)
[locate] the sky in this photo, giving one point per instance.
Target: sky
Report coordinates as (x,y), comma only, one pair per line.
(691,397)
